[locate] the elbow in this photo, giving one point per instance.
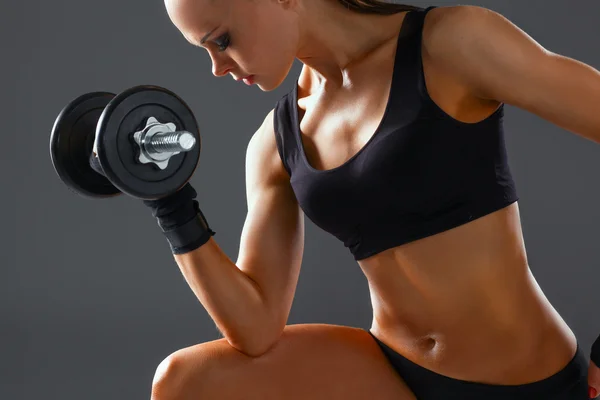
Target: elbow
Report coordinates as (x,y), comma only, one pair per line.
(256,344)
(253,351)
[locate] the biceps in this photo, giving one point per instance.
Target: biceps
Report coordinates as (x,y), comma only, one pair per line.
(272,244)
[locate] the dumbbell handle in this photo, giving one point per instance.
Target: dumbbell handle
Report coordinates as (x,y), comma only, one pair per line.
(159,142)
(169,142)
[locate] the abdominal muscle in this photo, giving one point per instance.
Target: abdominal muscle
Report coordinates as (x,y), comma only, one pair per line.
(464,303)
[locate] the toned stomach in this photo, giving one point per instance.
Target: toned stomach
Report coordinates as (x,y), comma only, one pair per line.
(463,303)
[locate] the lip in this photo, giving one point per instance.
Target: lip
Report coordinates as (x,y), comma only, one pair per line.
(247,79)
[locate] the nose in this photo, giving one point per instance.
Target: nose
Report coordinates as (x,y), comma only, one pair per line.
(219,72)
(220,66)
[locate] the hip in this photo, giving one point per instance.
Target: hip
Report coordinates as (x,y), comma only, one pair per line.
(569,381)
(535,345)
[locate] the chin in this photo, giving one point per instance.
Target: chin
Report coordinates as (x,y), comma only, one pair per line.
(265,88)
(268,86)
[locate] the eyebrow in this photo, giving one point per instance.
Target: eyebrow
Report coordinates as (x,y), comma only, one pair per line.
(205,38)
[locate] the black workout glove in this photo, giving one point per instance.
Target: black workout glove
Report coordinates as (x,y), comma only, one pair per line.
(178,216)
(181,220)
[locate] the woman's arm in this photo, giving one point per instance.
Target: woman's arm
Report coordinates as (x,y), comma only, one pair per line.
(498,61)
(250,300)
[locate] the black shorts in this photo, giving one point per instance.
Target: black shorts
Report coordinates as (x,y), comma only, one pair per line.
(570,383)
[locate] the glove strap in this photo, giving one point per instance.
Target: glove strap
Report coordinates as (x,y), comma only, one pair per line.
(189,236)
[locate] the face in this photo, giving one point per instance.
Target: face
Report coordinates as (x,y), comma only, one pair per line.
(249,37)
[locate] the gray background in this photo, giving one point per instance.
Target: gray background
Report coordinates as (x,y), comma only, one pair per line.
(91,298)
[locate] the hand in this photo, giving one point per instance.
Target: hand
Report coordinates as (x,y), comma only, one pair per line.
(181,220)
(594,380)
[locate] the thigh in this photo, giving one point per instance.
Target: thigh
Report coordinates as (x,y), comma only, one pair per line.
(313,361)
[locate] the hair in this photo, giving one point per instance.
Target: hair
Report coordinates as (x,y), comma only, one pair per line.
(376,7)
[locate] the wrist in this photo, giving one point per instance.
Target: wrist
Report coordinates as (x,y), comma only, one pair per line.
(181,221)
(188,236)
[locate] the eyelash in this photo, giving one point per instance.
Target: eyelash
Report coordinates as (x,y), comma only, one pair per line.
(223,42)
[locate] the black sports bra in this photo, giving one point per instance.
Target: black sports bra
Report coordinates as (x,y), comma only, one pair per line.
(422,172)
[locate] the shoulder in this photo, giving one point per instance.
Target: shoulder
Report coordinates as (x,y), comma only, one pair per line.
(472,44)
(263,140)
(452,19)
(458,26)
(262,152)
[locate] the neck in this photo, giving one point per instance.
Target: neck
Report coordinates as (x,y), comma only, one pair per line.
(333,40)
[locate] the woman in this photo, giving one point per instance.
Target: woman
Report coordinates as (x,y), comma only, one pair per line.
(392,141)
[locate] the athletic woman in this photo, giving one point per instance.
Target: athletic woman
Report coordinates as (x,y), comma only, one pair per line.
(392,140)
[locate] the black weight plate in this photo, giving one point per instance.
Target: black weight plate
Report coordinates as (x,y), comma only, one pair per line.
(71,143)
(128,113)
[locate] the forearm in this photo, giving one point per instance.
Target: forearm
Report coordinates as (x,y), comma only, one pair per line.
(232,299)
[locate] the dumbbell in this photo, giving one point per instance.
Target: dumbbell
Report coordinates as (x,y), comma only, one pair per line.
(143,142)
